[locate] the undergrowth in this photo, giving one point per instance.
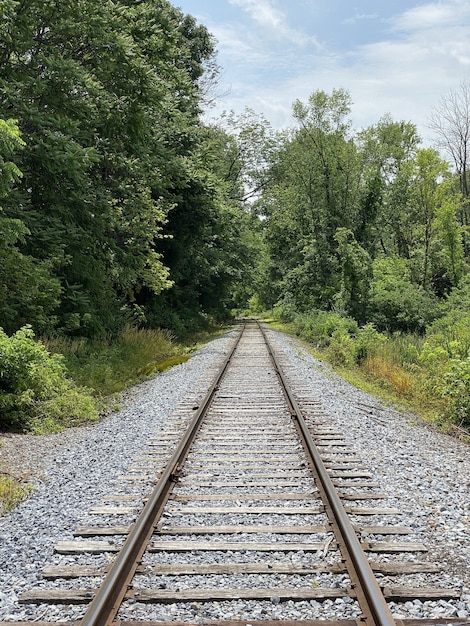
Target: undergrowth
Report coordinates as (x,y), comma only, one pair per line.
(426,374)
(111,364)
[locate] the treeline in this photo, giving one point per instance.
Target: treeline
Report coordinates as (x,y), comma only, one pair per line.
(368,224)
(118,206)
(373,228)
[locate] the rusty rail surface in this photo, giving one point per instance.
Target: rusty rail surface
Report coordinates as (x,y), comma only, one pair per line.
(364,582)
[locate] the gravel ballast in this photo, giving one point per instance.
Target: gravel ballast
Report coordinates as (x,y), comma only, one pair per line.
(425,473)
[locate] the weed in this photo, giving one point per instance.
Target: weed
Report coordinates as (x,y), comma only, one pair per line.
(12,493)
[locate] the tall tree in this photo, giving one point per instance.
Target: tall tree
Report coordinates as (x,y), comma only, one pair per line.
(450,121)
(314,191)
(385,148)
(427,193)
(107,99)
(28,292)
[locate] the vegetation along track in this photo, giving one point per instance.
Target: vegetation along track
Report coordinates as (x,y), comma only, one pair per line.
(258,505)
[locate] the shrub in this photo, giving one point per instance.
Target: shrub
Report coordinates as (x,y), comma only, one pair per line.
(110,364)
(456,389)
(318,327)
(342,348)
(369,342)
(34,386)
(395,302)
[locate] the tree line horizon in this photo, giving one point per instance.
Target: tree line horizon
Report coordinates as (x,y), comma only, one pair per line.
(120,205)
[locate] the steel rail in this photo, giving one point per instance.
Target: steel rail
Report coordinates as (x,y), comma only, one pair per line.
(376,612)
(104,606)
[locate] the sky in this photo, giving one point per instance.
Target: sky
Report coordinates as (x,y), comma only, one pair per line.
(399,57)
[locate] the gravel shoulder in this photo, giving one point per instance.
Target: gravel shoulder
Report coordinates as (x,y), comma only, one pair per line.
(426,472)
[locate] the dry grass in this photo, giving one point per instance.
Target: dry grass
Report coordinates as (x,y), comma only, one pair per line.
(391,374)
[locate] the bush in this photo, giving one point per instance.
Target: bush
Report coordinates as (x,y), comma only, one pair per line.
(342,348)
(395,302)
(456,389)
(34,386)
(110,365)
(318,327)
(369,343)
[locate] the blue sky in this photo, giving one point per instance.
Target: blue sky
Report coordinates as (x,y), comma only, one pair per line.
(393,56)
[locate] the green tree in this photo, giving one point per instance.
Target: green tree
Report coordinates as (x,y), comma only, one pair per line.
(210,240)
(385,148)
(107,99)
(314,191)
(355,276)
(427,193)
(449,235)
(396,303)
(28,292)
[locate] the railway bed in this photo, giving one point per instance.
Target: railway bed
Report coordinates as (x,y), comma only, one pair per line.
(261,507)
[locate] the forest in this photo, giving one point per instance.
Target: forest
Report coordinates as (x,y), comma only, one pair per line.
(126,217)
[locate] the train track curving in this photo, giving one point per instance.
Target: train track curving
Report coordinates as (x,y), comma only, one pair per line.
(257,503)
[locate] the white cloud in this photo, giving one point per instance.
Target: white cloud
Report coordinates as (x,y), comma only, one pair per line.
(262,12)
(274,21)
(425,53)
(360,18)
(434,15)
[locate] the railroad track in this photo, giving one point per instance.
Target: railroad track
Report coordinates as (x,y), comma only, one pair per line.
(258,508)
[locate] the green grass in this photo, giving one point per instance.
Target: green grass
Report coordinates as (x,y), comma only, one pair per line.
(383,376)
(12,493)
(110,365)
(107,366)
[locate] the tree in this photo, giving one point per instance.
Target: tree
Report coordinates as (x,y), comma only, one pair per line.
(314,190)
(449,234)
(28,291)
(107,99)
(427,193)
(450,121)
(385,148)
(355,276)
(251,145)
(396,302)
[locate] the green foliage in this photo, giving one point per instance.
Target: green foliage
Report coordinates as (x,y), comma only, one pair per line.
(110,365)
(396,303)
(456,390)
(10,143)
(28,292)
(355,275)
(319,326)
(450,237)
(12,493)
(107,98)
(344,342)
(342,348)
(34,386)
(369,343)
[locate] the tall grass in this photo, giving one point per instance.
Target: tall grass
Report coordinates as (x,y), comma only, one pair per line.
(426,373)
(111,364)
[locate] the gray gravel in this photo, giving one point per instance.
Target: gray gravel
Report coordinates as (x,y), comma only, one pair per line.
(84,470)
(426,475)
